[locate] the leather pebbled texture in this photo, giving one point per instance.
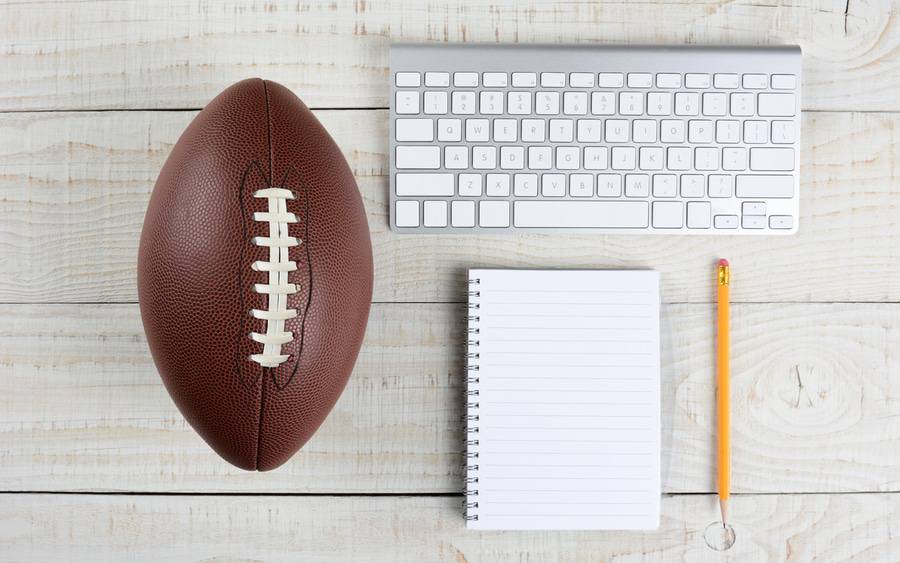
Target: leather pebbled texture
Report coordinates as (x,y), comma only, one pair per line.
(195,280)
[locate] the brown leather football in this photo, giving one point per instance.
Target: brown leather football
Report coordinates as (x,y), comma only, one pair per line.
(255,274)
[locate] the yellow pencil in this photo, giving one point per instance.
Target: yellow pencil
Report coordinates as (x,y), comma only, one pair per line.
(723,275)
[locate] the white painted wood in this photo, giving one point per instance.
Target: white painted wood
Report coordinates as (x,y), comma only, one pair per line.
(792,528)
(179,54)
(814,400)
(75,187)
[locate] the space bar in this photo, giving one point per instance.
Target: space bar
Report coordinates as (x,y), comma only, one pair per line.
(582,214)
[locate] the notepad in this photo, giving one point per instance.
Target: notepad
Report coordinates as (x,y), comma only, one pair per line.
(563,400)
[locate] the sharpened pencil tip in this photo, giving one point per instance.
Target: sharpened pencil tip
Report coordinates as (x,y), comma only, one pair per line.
(723,507)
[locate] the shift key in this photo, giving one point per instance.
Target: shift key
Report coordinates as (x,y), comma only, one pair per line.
(763,186)
(424,185)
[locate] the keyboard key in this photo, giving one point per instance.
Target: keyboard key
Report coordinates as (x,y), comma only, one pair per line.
(777,105)
(435,213)
(771,159)
(581,80)
(525,185)
(725,221)
(539,158)
(435,102)
(664,185)
(668,80)
(493,213)
(484,158)
(524,80)
(764,186)
(477,130)
(687,103)
(640,80)
(414,130)
(582,214)
(706,158)
(753,208)
(610,80)
(596,158)
(465,79)
(700,131)
(637,185)
(437,79)
(533,130)
(581,185)
(497,185)
(720,185)
(671,131)
(784,82)
(553,79)
(643,130)
(631,103)
(680,158)
(728,131)
(519,103)
(494,79)
(726,81)
(418,157)
(623,158)
(407,102)
(589,130)
(696,81)
(617,131)
(693,185)
(407,79)
(659,103)
(491,103)
(651,158)
(609,185)
(553,185)
(755,81)
(781,222)
(743,104)
(567,158)
(714,103)
(424,185)
(756,132)
(668,214)
(561,130)
(505,130)
(783,132)
(603,103)
(753,222)
(698,213)
(456,157)
(512,158)
(462,213)
(734,159)
(463,103)
(575,103)
(406,213)
(547,103)
(449,130)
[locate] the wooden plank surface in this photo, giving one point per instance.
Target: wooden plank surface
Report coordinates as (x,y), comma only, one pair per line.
(75,187)
(815,394)
(334,53)
(792,528)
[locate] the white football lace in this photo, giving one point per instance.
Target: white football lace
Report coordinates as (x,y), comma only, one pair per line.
(278,289)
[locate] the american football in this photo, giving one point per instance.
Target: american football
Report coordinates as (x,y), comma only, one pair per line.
(255,274)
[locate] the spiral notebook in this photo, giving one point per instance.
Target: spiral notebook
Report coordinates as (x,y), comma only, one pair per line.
(563,395)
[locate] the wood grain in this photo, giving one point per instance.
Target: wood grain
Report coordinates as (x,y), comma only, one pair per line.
(128,54)
(815,403)
(75,187)
(799,528)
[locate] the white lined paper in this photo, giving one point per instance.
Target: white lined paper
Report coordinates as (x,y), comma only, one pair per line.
(566,404)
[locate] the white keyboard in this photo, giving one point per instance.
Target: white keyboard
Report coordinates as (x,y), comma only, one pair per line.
(489,138)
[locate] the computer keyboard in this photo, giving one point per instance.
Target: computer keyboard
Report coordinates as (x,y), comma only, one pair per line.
(488,138)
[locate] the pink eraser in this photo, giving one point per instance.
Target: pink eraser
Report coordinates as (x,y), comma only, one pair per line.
(723,262)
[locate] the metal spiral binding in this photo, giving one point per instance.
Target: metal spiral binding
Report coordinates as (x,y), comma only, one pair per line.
(472,392)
